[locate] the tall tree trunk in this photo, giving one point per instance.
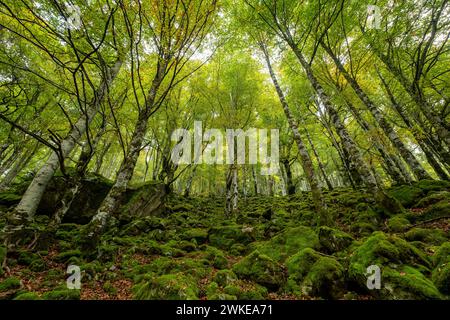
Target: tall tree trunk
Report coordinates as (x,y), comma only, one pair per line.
(232,193)
(308,168)
(289,181)
(19,165)
(101,157)
(407,155)
(319,162)
(110,204)
(27,206)
(423,145)
(379,195)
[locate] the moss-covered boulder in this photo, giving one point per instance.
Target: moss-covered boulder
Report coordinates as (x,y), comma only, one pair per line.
(441,278)
(406,194)
(2,258)
(333,240)
(442,254)
(289,242)
(261,269)
(432,198)
(200,235)
(167,287)
(392,255)
(429,236)
(312,274)
(398,224)
(27,296)
(62,294)
(406,283)
(224,237)
(225,277)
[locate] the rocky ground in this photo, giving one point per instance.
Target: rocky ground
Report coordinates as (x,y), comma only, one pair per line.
(271,250)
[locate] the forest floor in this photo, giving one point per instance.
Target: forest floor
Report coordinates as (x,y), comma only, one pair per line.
(270,250)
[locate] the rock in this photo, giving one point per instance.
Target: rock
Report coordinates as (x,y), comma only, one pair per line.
(406,194)
(289,242)
(398,224)
(62,294)
(429,236)
(167,287)
(392,255)
(441,278)
(198,234)
(315,275)
(261,269)
(225,277)
(334,240)
(225,236)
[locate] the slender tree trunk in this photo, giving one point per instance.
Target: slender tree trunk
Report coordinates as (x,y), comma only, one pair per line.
(101,157)
(232,193)
(308,168)
(319,162)
(110,204)
(19,165)
(255,181)
(379,195)
(187,191)
(407,155)
(26,208)
(289,181)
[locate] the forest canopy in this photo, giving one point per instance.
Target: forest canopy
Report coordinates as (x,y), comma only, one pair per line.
(327,122)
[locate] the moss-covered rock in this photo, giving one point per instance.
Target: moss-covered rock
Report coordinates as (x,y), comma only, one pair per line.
(432,198)
(225,277)
(167,287)
(200,235)
(10,283)
(442,254)
(433,185)
(333,240)
(441,278)
(405,283)
(62,294)
(66,255)
(261,269)
(429,236)
(384,250)
(406,194)
(27,296)
(289,242)
(2,258)
(224,237)
(315,275)
(398,224)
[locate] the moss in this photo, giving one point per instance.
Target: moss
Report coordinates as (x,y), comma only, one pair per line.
(333,239)
(398,224)
(442,254)
(261,269)
(325,279)
(198,234)
(406,283)
(238,249)
(216,257)
(109,288)
(2,258)
(27,296)
(299,264)
(363,228)
(429,236)
(232,290)
(383,250)
(167,287)
(225,277)
(225,236)
(10,283)
(38,265)
(441,278)
(437,210)
(315,275)
(406,194)
(62,294)
(433,198)
(66,255)
(433,185)
(289,242)
(252,292)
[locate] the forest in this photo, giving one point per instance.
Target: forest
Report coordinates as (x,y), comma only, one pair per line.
(224,150)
